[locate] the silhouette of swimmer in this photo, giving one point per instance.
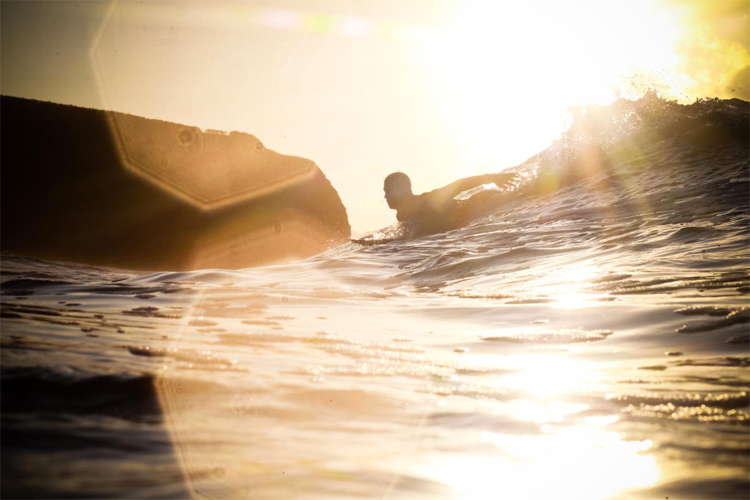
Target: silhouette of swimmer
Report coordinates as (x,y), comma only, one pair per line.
(435,211)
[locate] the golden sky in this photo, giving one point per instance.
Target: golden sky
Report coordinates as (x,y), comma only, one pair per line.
(437,89)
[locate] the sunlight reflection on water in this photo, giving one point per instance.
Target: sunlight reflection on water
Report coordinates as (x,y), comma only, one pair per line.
(578,462)
(562,461)
(552,374)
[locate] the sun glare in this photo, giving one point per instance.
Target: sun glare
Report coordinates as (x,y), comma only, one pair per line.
(531,61)
(443,91)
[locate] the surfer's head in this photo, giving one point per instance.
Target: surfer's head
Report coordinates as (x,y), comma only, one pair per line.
(397,187)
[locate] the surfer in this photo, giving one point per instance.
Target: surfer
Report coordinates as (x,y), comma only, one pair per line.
(434,211)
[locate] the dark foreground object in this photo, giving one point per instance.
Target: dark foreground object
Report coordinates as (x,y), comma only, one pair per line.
(108,188)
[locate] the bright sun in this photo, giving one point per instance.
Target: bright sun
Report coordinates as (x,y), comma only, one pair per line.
(532,60)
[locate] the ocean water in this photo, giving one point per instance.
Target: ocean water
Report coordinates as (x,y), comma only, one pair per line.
(586,337)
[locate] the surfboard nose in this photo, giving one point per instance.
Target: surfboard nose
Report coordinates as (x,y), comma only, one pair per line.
(107,188)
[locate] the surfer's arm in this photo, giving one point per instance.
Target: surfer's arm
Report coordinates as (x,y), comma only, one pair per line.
(368,243)
(467,183)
